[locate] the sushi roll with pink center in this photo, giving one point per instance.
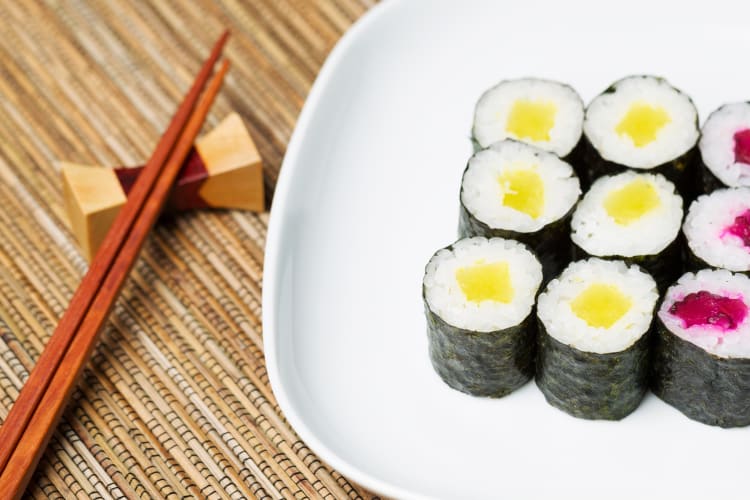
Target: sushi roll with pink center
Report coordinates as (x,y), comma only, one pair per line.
(725,147)
(702,349)
(717,230)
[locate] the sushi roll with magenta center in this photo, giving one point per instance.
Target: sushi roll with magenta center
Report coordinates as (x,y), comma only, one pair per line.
(725,147)
(514,190)
(643,123)
(543,113)
(593,343)
(717,230)
(478,295)
(702,349)
(631,216)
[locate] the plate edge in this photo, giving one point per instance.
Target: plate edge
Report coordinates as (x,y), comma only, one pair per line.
(272,251)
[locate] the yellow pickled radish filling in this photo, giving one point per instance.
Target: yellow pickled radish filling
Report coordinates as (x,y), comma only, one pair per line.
(601,305)
(642,123)
(523,190)
(486,281)
(531,119)
(632,201)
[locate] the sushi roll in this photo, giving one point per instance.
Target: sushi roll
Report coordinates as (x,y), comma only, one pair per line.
(478,295)
(643,123)
(702,348)
(544,113)
(514,190)
(725,147)
(631,216)
(594,321)
(717,230)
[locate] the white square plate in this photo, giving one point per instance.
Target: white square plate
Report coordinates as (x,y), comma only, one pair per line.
(369,190)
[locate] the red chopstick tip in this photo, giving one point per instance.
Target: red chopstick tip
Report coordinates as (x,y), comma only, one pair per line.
(223,38)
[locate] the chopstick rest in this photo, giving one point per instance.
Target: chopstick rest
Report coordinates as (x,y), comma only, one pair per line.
(224,170)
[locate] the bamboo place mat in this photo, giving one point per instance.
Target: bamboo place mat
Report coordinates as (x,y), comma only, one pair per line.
(176,401)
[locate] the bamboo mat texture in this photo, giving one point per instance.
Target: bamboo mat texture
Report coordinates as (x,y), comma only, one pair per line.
(176,401)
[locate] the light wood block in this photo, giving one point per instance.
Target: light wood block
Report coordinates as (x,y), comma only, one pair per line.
(224,170)
(235,171)
(93,197)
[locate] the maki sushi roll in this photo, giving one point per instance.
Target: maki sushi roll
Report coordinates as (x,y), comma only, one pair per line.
(717,230)
(514,190)
(702,348)
(631,216)
(478,295)
(593,348)
(543,113)
(725,147)
(644,123)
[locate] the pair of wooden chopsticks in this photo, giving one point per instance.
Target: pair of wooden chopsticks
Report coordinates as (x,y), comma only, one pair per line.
(32,419)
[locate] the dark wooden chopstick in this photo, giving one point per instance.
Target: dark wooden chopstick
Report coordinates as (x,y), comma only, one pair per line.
(32,392)
(29,449)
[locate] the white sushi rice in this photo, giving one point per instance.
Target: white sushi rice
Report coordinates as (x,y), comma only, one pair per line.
(598,234)
(705,228)
(732,344)
(494,107)
(555,312)
(446,299)
(717,143)
(607,110)
(482,194)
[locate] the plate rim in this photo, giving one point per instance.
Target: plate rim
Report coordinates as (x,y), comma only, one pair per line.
(273,250)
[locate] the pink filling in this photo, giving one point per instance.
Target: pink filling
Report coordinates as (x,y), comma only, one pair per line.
(704,308)
(742,146)
(741,227)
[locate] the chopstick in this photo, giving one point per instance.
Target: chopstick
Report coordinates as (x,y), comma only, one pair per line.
(31,393)
(31,420)
(29,449)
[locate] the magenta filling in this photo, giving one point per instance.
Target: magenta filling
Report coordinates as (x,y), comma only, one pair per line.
(741,228)
(707,309)
(742,146)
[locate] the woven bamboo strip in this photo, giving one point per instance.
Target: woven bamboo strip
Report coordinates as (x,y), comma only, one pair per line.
(176,401)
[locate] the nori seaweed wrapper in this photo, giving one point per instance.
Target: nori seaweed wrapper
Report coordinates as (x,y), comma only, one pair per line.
(665,267)
(682,171)
(475,146)
(592,385)
(691,262)
(577,159)
(491,364)
(551,244)
(708,181)
(703,386)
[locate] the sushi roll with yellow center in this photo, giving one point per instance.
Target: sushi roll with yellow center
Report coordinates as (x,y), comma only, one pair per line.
(543,113)
(478,295)
(593,345)
(514,190)
(643,123)
(631,216)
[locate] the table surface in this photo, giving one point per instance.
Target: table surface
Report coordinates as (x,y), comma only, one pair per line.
(176,400)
